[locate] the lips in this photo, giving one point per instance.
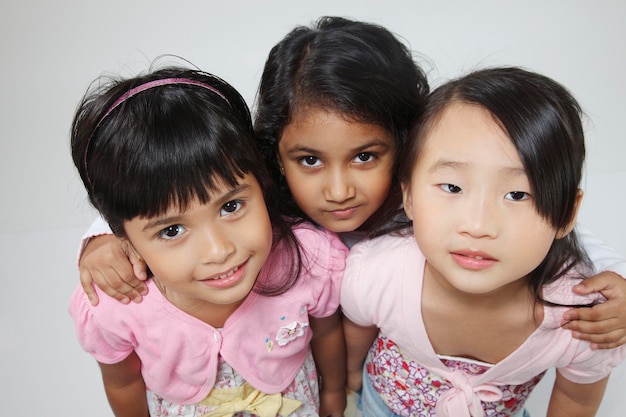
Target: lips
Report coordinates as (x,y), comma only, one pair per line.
(226,279)
(473,260)
(343,213)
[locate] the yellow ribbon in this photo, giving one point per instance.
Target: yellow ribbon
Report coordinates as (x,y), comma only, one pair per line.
(250,400)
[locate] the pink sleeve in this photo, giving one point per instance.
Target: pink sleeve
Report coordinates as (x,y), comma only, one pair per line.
(351,294)
(589,365)
(586,365)
(323,266)
(94,332)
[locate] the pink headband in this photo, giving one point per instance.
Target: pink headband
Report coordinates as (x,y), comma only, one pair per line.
(143,87)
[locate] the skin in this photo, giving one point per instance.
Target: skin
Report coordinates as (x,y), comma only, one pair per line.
(125,387)
(206,259)
(338,171)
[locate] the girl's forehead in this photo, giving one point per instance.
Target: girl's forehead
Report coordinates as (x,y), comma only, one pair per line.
(324,129)
(469,133)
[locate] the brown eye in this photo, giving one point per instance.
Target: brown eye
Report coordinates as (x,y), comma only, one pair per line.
(451,188)
(172,231)
(517,195)
(231,207)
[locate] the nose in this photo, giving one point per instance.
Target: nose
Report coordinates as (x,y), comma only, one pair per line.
(339,186)
(214,246)
(479,217)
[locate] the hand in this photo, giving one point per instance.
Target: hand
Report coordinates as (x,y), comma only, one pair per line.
(114,267)
(604,325)
(354,380)
(333,403)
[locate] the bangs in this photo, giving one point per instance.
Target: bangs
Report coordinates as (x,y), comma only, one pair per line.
(165,165)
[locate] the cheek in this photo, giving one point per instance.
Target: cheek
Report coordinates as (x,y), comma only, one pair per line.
(304,191)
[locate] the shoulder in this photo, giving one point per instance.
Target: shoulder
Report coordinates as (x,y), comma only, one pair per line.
(376,273)
(386,249)
(311,235)
(110,313)
(560,291)
(320,247)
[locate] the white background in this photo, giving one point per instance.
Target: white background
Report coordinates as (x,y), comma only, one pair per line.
(51,51)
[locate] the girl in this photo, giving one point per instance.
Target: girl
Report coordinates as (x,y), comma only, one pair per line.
(334,105)
(465,311)
(236,292)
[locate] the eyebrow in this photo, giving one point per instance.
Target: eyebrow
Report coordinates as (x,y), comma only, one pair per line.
(375,142)
(161,221)
(459,165)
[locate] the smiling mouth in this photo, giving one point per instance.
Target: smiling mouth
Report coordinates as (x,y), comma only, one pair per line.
(225,275)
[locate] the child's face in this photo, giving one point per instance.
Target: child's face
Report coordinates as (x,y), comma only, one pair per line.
(473,215)
(339,172)
(208,256)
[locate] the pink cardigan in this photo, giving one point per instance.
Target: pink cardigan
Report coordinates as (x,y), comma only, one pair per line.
(266,339)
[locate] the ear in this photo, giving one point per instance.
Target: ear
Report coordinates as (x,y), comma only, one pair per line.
(560,234)
(280,164)
(406,199)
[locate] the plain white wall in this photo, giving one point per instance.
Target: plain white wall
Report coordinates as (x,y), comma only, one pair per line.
(51,51)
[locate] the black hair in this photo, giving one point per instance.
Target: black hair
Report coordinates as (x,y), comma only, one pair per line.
(543,121)
(168,146)
(359,70)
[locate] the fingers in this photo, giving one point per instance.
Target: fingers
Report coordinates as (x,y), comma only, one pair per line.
(607,283)
(86,281)
(603,325)
(105,263)
(140,269)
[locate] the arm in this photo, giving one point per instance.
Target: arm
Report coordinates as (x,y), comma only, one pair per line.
(328,348)
(125,388)
(569,399)
(109,263)
(604,325)
(359,339)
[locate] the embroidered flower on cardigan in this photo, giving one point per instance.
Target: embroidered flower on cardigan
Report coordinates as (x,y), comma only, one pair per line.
(290,332)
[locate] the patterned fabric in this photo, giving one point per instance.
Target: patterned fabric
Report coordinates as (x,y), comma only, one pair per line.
(411,390)
(304,388)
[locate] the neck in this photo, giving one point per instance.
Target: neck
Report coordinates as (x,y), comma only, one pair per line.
(215,315)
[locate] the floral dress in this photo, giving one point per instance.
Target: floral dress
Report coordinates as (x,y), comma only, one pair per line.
(411,390)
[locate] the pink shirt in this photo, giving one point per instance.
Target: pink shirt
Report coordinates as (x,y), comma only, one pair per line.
(383,286)
(266,339)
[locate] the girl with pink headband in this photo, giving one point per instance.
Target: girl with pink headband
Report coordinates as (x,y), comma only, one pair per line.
(241,317)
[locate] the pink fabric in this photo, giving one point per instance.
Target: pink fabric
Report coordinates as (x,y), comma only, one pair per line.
(382,286)
(179,353)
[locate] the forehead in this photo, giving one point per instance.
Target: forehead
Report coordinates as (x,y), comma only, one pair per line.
(469,133)
(332,132)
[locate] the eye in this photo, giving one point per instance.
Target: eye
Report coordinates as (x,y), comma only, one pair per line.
(364,157)
(231,207)
(517,196)
(310,161)
(172,232)
(451,188)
